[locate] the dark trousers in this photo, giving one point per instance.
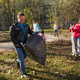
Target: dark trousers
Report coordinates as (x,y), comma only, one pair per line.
(21,56)
(56,33)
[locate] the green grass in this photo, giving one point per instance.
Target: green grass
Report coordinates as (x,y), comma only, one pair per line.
(6,31)
(45,30)
(51,30)
(57,67)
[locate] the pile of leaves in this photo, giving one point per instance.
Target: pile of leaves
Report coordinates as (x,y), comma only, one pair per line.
(62,43)
(4,37)
(57,67)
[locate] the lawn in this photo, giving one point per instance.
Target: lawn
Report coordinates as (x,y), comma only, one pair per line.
(45,30)
(5,36)
(59,66)
(51,30)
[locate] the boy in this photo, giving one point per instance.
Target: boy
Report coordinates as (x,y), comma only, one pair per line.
(18,34)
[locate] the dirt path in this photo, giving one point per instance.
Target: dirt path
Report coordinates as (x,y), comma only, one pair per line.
(8,46)
(50,37)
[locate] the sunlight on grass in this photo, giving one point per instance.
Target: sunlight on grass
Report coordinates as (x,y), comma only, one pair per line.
(52,30)
(45,30)
(57,66)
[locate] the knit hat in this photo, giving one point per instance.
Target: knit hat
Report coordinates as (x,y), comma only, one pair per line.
(42,31)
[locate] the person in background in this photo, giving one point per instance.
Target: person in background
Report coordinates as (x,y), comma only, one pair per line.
(70,25)
(19,32)
(36,27)
(75,29)
(42,34)
(55,29)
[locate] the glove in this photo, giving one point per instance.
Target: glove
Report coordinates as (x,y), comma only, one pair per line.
(33,33)
(22,45)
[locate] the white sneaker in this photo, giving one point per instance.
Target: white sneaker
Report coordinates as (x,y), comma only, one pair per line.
(78,54)
(25,75)
(73,54)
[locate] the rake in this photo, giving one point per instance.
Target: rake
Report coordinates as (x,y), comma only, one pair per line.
(73,42)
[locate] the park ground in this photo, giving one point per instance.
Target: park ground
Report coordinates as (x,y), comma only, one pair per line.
(58,66)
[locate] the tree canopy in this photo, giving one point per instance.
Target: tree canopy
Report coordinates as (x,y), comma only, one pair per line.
(63,12)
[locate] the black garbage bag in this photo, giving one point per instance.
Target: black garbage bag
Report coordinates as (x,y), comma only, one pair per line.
(36,48)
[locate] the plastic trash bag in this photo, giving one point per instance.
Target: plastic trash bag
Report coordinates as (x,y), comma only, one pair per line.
(36,48)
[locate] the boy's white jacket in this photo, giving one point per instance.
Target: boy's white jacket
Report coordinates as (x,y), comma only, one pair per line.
(55,27)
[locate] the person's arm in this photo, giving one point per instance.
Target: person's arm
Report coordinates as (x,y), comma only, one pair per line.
(13,35)
(74,30)
(70,29)
(77,35)
(38,27)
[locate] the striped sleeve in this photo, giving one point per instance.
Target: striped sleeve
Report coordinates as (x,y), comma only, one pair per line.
(38,27)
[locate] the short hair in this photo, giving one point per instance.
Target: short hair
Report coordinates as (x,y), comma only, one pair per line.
(42,31)
(34,20)
(20,14)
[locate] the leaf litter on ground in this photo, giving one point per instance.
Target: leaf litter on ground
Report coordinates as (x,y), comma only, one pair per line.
(58,64)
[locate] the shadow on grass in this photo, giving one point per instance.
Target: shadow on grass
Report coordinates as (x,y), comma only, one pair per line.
(3,78)
(7,63)
(68,76)
(42,72)
(59,48)
(72,77)
(54,54)
(38,77)
(45,77)
(76,58)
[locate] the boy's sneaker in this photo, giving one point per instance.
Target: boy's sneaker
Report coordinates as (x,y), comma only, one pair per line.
(18,64)
(73,54)
(79,55)
(25,75)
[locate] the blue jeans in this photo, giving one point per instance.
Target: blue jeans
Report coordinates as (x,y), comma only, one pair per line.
(37,33)
(78,44)
(21,56)
(55,32)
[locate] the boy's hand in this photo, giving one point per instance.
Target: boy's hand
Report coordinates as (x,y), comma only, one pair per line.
(22,45)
